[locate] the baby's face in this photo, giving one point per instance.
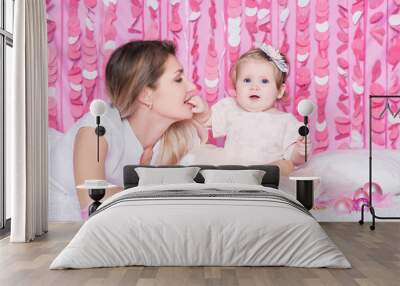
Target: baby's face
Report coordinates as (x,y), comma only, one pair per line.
(256,88)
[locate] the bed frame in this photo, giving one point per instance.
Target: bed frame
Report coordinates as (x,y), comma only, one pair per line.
(270,179)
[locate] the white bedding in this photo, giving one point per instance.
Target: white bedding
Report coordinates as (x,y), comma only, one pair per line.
(183,231)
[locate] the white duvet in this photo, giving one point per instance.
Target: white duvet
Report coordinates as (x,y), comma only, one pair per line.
(183,231)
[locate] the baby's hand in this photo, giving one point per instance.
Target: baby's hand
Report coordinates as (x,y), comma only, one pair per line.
(199,105)
(300,146)
(201,110)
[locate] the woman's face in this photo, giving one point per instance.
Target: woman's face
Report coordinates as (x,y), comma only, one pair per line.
(170,98)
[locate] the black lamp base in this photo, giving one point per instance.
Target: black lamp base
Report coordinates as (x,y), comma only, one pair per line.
(96,195)
(305,193)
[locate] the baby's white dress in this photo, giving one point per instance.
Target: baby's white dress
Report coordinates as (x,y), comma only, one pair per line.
(253,137)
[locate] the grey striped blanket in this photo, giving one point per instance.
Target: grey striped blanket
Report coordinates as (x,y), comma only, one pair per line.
(206,194)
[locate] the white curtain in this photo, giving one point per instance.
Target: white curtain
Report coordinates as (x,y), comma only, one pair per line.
(26,124)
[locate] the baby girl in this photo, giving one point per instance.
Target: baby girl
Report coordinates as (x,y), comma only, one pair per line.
(256,131)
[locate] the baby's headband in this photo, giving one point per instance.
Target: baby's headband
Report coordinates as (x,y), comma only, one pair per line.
(275,56)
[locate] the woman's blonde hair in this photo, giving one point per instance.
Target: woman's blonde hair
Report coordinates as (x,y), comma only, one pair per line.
(258,54)
(131,68)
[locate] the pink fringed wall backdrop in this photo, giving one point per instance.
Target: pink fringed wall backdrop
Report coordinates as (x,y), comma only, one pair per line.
(339,52)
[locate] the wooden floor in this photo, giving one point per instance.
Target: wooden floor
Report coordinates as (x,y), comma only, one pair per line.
(375,257)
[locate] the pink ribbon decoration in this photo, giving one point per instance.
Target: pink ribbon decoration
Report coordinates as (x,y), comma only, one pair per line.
(343,121)
(321,74)
(194,18)
(137,13)
(233,19)
(76,105)
(175,24)
(52,68)
(250,10)
(89,55)
(357,66)
(264,21)
(110,32)
(153,31)
(284,14)
(211,80)
(393,58)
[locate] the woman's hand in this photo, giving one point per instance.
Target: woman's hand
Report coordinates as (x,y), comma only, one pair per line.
(200,109)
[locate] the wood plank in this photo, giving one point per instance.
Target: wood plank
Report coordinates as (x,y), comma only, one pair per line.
(375,257)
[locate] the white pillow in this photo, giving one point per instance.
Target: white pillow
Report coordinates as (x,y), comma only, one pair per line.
(248,177)
(162,176)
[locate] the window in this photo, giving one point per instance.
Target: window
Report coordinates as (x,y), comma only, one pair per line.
(6,46)
(9,15)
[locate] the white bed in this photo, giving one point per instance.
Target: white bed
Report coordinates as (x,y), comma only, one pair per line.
(259,226)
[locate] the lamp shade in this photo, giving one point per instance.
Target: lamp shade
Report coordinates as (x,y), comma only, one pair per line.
(98,107)
(305,107)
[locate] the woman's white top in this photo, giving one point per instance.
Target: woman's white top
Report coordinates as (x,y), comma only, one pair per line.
(124,148)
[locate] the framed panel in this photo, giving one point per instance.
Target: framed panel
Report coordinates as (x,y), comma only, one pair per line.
(1,14)
(9,16)
(6,44)
(2,125)
(8,69)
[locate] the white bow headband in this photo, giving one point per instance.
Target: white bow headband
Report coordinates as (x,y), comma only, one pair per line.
(275,56)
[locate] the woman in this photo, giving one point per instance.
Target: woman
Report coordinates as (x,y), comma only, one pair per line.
(149,121)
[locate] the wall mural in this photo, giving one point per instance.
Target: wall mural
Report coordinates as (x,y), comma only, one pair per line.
(339,52)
